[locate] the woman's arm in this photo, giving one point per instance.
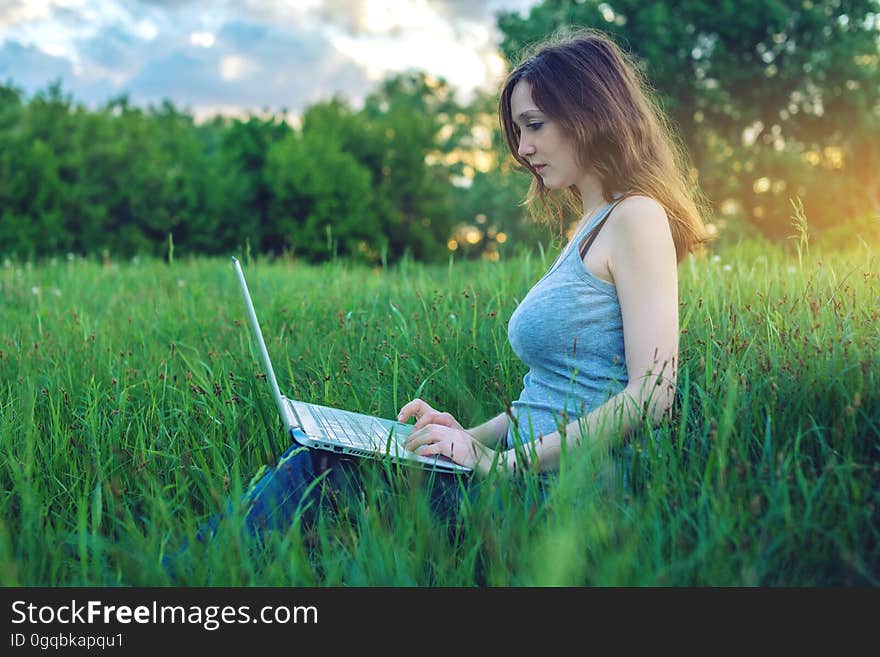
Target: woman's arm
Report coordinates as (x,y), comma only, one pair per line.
(644,267)
(597,431)
(491,433)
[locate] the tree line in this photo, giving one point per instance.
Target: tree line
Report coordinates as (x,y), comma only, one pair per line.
(772,100)
(127,180)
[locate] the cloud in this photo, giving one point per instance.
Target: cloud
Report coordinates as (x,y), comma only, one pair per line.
(248,66)
(475,11)
(348,15)
(251,66)
(394,18)
(246,54)
(115,47)
(31,68)
(14,12)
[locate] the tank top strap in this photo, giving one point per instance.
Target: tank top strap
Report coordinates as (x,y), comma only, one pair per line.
(595,219)
(591,230)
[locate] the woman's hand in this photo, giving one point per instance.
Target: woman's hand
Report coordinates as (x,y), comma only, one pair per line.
(456,444)
(440,433)
(426,415)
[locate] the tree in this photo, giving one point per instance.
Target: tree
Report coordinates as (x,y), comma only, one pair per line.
(238,192)
(413,195)
(769,97)
(320,196)
(393,138)
(32,176)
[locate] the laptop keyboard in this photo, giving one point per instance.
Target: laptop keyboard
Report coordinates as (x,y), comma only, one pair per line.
(351,428)
(361,432)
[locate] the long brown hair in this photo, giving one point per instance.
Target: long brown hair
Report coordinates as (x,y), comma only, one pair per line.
(599,96)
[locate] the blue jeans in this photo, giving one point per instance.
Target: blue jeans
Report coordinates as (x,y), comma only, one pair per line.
(293,488)
(302,481)
(305,479)
(275,498)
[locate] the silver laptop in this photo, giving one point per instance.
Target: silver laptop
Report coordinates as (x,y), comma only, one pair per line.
(336,430)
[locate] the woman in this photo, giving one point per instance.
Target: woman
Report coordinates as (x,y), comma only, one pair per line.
(599,331)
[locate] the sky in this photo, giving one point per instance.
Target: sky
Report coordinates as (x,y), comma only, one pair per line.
(239,56)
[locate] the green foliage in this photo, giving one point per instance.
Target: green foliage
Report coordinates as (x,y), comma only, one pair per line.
(117,179)
(122,179)
(318,189)
(774,101)
(133,406)
(238,193)
(414,198)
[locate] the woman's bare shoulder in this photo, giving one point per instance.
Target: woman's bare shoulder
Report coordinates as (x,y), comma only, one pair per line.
(639,204)
(639,215)
(640,229)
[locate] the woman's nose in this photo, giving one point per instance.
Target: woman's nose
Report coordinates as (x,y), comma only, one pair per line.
(525,148)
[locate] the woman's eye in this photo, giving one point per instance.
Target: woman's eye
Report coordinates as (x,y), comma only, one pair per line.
(534,126)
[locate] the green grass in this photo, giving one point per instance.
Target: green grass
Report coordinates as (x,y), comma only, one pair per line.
(132,406)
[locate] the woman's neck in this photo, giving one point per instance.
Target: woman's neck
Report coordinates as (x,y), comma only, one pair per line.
(590,189)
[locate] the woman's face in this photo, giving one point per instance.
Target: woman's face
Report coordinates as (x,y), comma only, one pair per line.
(542,142)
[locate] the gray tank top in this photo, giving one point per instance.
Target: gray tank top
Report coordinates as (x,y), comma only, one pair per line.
(568,330)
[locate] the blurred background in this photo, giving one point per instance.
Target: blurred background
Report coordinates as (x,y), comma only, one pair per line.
(368,129)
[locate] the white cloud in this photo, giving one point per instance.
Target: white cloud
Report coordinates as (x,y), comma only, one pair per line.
(15,12)
(246,53)
(236,67)
(203,39)
(54,49)
(146,29)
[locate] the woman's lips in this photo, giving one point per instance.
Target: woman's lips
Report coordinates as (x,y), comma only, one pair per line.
(540,167)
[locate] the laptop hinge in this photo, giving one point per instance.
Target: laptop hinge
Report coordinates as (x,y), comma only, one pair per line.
(290,415)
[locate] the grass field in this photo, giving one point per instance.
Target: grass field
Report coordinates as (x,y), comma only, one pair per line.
(132,406)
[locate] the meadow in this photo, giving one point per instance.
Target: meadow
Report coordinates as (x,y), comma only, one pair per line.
(133,406)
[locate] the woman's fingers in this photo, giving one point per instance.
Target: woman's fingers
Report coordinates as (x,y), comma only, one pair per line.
(425,436)
(431,417)
(416,439)
(445,441)
(416,408)
(425,415)
(430,450)
(449,420)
